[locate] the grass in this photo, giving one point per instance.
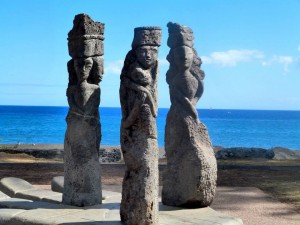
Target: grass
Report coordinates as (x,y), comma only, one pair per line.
(23,158)
(283,189)
(259,162)
(281,183)
(8,147)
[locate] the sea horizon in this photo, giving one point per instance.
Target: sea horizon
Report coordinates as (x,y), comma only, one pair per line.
(209,108)
(257,128)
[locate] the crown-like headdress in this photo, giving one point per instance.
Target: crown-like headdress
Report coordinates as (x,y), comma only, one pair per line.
(86,37)
(179,35)
(150,36)
(85,28)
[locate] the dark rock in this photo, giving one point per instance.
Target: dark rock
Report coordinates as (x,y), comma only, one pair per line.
(281,153)
(245,153)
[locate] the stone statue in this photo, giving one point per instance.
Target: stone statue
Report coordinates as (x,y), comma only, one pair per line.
(82,185)
(138,97)
(191,173)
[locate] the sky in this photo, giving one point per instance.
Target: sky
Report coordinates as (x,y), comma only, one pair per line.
(250,49)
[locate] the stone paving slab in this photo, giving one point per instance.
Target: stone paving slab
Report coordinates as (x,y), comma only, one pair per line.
(173,215)
(205,216)
(12,185)
(6,215)
(107,213)
(43,216)
(57,185)
(14,211)
(39,195)
(19,188)
(3,196)
(18,203)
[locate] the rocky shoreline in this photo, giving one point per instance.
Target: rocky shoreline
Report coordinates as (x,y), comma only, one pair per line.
(111,154)
(275,153)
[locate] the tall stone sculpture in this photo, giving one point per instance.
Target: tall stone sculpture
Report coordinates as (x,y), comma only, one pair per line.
(191,172)
(138,97)
(82,139)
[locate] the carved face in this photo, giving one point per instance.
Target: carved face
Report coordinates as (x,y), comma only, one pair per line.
(83,67)
(97,69)
(183,56)
(146,55)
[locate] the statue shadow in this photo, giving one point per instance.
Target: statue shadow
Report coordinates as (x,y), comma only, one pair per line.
(15,203)
(93,223)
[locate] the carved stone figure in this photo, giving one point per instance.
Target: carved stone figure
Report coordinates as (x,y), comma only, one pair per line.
(191,173)
(138,97)
(82,139)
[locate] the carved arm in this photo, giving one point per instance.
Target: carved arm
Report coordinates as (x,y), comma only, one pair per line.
(177,98)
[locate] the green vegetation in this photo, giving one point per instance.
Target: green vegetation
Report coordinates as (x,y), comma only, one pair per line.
(8,147)
(283,188)
(282,183)
(259,162)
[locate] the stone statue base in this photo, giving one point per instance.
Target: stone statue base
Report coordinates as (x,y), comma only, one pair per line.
(140,184)
(82,185)
(191,173)
(27,212)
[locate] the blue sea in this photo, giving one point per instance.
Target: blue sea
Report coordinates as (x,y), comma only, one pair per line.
(227,128)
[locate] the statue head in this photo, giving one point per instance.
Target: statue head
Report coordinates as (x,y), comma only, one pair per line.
(145,45)
(85,43)
(183,57)
(83,67)
(80,69)
(146,55)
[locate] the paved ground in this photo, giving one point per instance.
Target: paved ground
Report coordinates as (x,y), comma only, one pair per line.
(46,208)
(250,204)
(254,207)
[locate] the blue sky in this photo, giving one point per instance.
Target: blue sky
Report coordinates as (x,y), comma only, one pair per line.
(250,49)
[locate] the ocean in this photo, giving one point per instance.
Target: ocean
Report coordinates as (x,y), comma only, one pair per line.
(227,128)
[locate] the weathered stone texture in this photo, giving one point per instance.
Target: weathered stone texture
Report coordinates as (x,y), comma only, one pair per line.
(190,177)
(82,139)
(138,96)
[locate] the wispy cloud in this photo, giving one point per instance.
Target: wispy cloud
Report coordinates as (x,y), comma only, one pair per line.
(113,67)
(232,57)
(279,59)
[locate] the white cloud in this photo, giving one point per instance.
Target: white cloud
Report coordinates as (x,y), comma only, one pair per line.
(113,67)
(232,57)
(280,59)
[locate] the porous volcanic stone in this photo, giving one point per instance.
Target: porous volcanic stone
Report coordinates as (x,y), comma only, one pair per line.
(191,173)
(138,96)
(82,139)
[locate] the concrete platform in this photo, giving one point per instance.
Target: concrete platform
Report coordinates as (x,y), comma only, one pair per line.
(19,188)
(18,211)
